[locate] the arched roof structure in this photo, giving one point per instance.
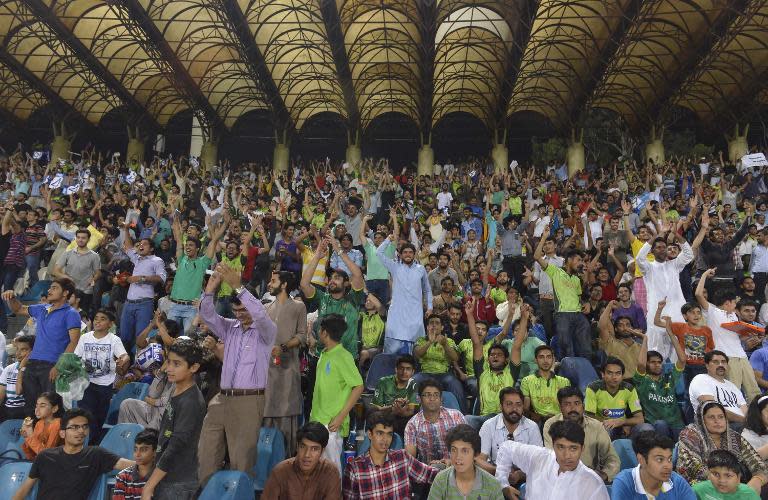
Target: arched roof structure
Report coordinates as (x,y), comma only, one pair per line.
(360,59)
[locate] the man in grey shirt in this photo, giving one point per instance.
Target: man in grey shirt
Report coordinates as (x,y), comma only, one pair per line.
(513,237)
(81,265)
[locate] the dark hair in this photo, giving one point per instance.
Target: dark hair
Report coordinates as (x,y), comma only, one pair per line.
(624,285)
(406,358)
(288,278)
(466,433)
(194,240)
(188,350)
(565,429)
(619,318)
(754,420)
(313,431)
(150,241)
(498,347)
(429,382)
(334,325)
(26,339)
(74,413)
(747,303)
(510,390)
(543,347)
(56,400)
(688,307)
(644,442)
(658,239)
(711,354)
(611,360)
(106,312)
(147,436)
(723,295)
(67,286)
(573,252)
(384,418)
(83,231)
(569,392)
(407,245)
(725,459)
(654,354)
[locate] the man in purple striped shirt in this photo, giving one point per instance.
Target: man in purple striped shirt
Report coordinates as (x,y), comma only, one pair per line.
(234,415)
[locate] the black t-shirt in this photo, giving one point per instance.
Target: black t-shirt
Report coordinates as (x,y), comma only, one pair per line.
(70,477)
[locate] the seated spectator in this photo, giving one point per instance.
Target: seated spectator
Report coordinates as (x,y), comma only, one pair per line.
(614,402)
(149,411)
(308,475)
(713,386)
(692,337)
(653,477)
(425,432)
(756,426)
(656,389)
(382,473)
(10,383)
(464,479)
(44,432)
(71,470)
(617,338)
(397,393)
(627,308)
(130,481)
(372,329)
(746,311)
(597,453)
(709,432)
(551,473)
(724,481)
(509,424)
(437,353)
(540,388)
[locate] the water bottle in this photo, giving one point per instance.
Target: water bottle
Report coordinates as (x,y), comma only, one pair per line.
(350,450)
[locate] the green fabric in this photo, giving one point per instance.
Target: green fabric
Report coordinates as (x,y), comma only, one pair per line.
(466,355)
(605,406)
(498,296)
(236,263)
(70,367)
(188,282)
(444,486)
(515,205)
(337,375)
(706,491)
(435,360)
(387,391)
(527,354)
(375,270)
(348,307)
(658,397)
(372,330)
(543,392)
(489,385)
(567,287)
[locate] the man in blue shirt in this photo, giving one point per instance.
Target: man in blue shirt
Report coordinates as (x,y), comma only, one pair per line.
(57,332)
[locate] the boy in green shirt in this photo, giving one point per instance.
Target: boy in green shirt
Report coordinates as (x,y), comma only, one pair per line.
(397,393)
(372,324)
(614,402)
(724,479)
(540,388)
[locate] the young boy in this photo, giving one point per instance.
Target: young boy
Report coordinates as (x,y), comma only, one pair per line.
(102,354)
(175,473)
(13,406)
(693,338)
(131,480)
(724,479)
(373,321)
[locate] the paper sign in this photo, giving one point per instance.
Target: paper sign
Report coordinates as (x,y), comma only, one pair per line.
(56,181)
(131,177)
(754,160)
(71,189)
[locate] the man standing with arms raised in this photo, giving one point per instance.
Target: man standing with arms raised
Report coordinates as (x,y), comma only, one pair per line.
(234,415)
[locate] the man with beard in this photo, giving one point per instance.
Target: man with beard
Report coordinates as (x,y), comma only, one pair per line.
(510,424)
(617,338)
(283,399)
(411,295)
(713,386)
(82,266)
(540,388)
(598,453)
(498,294)
(437,276)
(442,303)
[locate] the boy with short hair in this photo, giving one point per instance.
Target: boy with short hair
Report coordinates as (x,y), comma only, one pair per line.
(175,473)
(10,388)
(131,480)
(724,479)
(694,338)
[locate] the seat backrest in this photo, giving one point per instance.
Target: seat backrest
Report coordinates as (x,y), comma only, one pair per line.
(271,451)
(12,476)
(397,444)
(450,401)
(626,453)
(120,439)
(381,366)
(228,485)
(134,390)
(579,371)
(10,430)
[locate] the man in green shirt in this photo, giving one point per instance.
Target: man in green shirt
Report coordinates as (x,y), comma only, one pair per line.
(338,386)
(656,389)
(614,402)
(540,388)
(437,353)
(572,327)
(397,393)
(376,275)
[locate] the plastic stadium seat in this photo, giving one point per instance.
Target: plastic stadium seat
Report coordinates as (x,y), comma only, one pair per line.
(34,293)
(12,476)
(450,400)
(397,444)
(120,439)
(579,371)
(675,451)
(134,390)
(381,366)
(271,451)
(10,433)
(626,453)
(228,485)
(99,490)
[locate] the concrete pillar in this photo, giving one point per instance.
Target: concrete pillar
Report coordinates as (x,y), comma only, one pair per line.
(737,143)
(209,154)
(353,155)
(575,154)
(135,154)
(500,155)
(60,148)
(280,158)
(654,150)
(196,143)
(426,160)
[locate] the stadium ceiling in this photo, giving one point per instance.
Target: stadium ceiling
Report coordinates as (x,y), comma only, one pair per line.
(360,59)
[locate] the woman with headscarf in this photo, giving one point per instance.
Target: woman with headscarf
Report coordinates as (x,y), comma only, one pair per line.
(756,426)
(710,432)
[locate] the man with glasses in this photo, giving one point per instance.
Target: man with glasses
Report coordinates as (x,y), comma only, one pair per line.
(396,393)
(71,470)
(425,432)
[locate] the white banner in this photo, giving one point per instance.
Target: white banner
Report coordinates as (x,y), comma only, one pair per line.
(754,160)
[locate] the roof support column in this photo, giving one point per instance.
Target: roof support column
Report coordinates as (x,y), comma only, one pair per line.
(426,157)
(575,155)
(136,147)
(353,154)
(500,153)
(282,152)
(62,142)
(737,143)
(654,150)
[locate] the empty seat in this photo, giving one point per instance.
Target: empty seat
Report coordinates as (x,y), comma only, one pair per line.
(626,453)
(397,444)
(271,451)
(381,366)
(579,371)
(450,400)
(10,433)
(37,290)
(12,476)
(228,485)
(120,439)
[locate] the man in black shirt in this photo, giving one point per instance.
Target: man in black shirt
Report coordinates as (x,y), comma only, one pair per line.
(69,472)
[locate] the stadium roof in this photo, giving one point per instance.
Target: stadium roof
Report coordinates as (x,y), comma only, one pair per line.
(363,58)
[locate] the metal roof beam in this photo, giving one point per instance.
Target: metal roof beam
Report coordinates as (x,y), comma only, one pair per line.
(427,53)
(48,16)
(140,16)
(332,21)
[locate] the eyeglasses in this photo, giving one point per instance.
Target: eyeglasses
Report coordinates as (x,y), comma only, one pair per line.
(83,427)
(431,395)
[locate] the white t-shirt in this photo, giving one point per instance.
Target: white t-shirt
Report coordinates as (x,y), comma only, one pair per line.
(8,380)
(444,200)
(725,340)
(726,393)
(99,356)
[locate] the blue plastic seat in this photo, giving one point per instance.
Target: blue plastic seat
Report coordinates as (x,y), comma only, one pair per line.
(134,390)
(121,438)
(271,451)
(99,489)
(450,401)
(381,366)
(397,444)
(10,433)
(12,476)
(675,452)
(579,371)
(228,485)
(626,453)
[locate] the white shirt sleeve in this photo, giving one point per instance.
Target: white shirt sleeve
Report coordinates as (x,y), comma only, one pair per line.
(526,457)
(118,349)
(486,438)
(79,348)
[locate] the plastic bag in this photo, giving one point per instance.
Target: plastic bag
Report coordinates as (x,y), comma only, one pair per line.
(72,379)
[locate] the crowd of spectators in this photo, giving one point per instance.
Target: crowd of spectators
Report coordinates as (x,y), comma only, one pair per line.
(531,322)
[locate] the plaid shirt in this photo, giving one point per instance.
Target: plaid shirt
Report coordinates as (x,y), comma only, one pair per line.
(365,480)
(429,438)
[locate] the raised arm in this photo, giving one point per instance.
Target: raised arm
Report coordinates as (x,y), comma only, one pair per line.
(517,346)
(604,324)
(700,298)
(356,274)
(306,286)
(538,254)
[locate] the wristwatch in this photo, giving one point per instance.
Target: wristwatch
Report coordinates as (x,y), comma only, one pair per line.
(239,290)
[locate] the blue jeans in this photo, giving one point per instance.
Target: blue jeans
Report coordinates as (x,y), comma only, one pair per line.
(380,288)
(10,274)
(135,318)
(394,346)
(663,428)
(33,265)
(183,314)
(573,333)
(449,383)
